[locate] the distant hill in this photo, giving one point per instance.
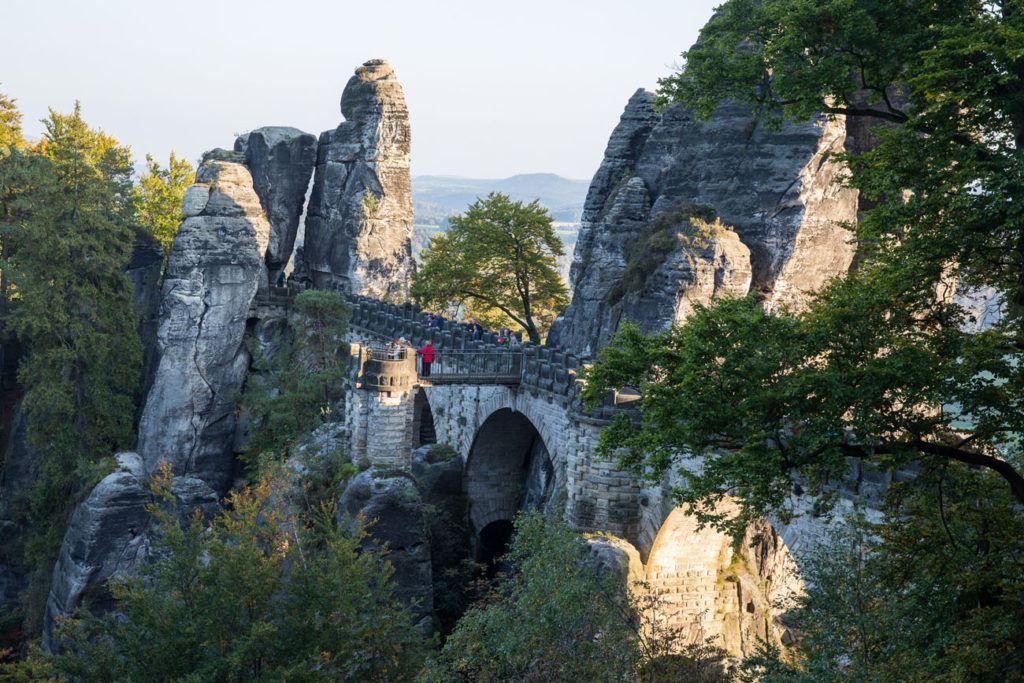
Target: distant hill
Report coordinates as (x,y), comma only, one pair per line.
(436,198)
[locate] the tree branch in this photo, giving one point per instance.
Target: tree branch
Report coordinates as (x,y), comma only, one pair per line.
(997,465)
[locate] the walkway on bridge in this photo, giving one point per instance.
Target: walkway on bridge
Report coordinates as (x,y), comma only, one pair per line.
(491,366)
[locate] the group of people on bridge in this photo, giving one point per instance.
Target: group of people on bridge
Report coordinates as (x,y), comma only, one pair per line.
(397,348)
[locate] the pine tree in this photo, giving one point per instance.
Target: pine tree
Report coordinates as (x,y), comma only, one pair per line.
(73,316)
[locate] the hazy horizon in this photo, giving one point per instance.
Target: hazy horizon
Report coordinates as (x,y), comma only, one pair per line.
(492,93)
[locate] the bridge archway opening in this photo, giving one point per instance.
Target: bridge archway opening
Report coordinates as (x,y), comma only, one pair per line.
(492,544)
(423,430)
(705,585)
(508,470)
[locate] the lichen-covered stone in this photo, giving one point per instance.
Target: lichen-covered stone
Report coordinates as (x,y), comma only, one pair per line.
(143,272)
(106,535)
(389,502)
(110,535)
(359,224)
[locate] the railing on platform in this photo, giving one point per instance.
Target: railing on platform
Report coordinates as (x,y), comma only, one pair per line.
(382,351)
(473,367)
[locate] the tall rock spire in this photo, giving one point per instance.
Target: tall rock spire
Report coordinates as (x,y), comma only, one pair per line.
(359,222)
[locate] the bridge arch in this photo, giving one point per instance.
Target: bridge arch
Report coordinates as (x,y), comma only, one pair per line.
(508,469)
(704,584)
(424,431)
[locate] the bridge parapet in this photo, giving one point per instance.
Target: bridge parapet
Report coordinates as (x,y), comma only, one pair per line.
(543,370)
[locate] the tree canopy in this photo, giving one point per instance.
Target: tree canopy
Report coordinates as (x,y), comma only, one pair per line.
(499,261)
(264,592)
(886,364)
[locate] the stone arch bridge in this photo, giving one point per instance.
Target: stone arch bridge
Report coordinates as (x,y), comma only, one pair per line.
(515,420)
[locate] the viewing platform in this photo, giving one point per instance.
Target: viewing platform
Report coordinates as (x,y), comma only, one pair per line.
(389,369)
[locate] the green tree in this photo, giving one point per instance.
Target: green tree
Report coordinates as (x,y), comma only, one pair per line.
(554,618)
(915,597)
(69,224)
(500,261)
(884,366)
(880,367)
(293,392)
(10,123)
(263,592)
(22,176)
(159,195)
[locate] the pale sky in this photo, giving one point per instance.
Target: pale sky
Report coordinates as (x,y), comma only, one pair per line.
(493,88)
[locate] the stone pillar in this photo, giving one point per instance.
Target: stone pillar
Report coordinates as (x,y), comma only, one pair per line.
(380,411)
(389,430)
(600,496)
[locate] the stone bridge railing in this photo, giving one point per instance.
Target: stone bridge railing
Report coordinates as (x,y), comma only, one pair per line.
(544,371)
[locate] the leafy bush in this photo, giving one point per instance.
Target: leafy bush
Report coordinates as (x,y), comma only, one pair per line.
(261,593)
(554,618)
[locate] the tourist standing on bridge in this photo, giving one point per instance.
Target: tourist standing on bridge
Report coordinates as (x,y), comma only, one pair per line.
(428,358)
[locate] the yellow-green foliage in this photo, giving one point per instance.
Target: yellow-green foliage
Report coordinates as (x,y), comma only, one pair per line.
(371,203)
(159,195)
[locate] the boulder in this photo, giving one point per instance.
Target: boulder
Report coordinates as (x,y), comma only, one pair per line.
(613,556)
(215,268)
(359,223)
(389,502)
(281,161)
(107,535)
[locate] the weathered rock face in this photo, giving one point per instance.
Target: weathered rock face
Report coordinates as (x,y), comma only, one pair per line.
(773,187)
(106,535)
(281,161)
(390,500)
(109,535)
(143,271)
(215,268)
(359,223)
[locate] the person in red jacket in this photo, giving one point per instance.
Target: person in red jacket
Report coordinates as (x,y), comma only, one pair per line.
(428,357)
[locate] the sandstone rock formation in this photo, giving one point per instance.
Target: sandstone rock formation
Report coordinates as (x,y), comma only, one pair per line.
(390,503)
(281,161)
(215,268)
(106,535)
(143,271)
(359,224)
(773,187)
(109,535)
